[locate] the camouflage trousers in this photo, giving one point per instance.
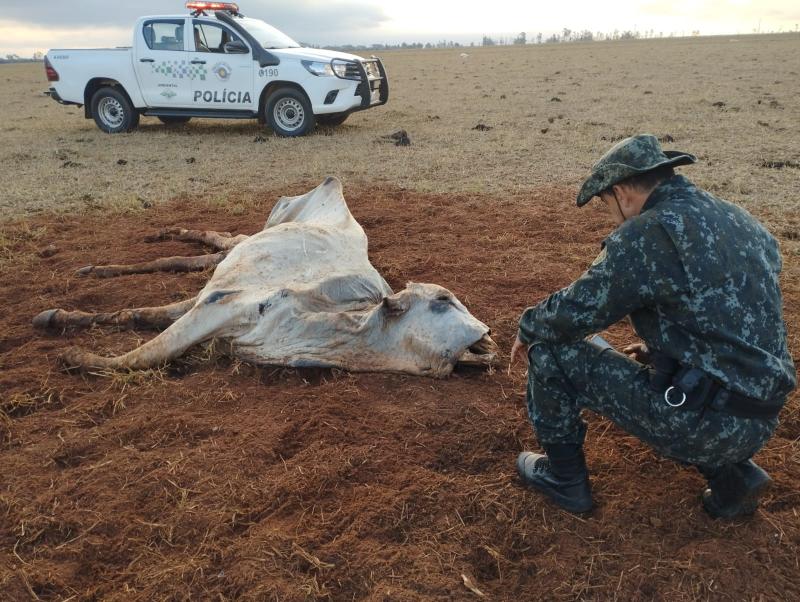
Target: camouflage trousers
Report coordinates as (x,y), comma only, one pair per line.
(564,379)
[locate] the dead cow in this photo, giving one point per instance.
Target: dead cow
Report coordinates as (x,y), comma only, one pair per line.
(300,293)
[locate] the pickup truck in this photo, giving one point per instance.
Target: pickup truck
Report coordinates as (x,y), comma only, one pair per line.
(228,66)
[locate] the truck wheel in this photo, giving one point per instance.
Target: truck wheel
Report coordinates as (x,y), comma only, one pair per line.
(289,113)
(113,112)
(174,120)
(332,119)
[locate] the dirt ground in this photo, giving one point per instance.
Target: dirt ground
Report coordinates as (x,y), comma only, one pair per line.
(215,480)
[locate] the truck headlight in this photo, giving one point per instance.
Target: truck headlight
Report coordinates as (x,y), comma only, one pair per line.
(346,69)
(318,68)
(340,69)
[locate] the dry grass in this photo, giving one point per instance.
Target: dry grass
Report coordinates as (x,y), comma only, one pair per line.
(19,242)
(605,91)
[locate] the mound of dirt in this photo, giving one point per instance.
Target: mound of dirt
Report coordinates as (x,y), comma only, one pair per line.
(212,479)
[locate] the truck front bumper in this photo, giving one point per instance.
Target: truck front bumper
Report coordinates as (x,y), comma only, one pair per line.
(374,85)
(367,86)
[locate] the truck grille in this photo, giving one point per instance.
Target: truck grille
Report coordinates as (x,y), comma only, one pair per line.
(352,71)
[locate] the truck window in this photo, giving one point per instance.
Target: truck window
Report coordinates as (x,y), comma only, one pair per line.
(209,37)
(163,35)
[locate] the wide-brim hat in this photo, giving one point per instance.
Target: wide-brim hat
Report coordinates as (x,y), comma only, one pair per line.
(629,157)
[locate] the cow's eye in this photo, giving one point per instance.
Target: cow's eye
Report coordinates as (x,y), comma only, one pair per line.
(445,298)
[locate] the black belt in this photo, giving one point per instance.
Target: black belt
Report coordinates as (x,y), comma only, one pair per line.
(692,389)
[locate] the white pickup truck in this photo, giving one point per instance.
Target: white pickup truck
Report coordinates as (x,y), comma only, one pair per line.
(228,66)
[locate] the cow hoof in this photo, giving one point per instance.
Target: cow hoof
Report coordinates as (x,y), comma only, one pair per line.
(44,319)
(72,358)
(77,359)
(84,271)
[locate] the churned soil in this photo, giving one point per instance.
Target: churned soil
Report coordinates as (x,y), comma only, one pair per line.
(213,479)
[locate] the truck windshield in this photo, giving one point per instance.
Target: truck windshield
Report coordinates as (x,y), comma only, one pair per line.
(268,36)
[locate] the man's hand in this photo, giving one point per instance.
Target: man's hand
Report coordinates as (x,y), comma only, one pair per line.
(638,352)
(518,351)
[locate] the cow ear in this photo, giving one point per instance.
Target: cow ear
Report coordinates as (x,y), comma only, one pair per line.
(395,305)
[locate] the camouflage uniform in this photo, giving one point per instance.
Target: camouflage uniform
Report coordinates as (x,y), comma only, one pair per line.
(699,279)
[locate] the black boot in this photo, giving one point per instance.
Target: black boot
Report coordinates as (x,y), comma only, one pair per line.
(561,475)
(734,489)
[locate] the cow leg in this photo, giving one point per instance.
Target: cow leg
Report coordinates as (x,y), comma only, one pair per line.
(155,318)
(199,324)
(221,241)
(164,264)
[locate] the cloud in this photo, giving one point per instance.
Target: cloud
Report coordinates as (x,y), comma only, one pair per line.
(785,10)
(43,24)
(310,20)
(24,40)
(72,14)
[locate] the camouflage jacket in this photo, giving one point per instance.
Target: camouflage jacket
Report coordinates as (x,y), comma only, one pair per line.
(699,278)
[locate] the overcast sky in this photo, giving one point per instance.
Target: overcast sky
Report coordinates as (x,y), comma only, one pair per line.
(43,24)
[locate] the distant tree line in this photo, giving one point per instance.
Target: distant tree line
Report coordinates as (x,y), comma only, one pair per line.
(566,35)
(15,58)
(398,46)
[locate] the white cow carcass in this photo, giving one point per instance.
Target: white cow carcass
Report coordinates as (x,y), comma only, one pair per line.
(302,292)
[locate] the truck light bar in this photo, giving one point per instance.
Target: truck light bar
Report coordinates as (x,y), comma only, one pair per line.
(200,7)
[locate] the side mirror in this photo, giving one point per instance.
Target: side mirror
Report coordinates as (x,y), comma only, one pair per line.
(236,47)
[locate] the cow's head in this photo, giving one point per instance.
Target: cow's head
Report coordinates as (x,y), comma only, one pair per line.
(347,322)
(426,330)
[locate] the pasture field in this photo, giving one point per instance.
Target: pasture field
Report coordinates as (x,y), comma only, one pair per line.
(210,479)
(605,91)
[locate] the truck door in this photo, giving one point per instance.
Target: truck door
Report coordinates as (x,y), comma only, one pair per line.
(163,64)
(227,82)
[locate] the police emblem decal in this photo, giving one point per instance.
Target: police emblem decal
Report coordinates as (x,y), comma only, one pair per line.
(222,71)
(169,94)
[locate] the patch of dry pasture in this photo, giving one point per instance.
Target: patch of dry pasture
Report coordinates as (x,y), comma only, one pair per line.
(552,110)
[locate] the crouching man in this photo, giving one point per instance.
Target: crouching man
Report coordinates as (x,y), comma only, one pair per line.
(698,278)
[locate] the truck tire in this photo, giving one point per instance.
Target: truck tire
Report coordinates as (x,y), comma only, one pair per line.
(174,120)
(112,111)
(332,119)
(289,113)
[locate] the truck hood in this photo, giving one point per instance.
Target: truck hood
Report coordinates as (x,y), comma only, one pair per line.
(315,54)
